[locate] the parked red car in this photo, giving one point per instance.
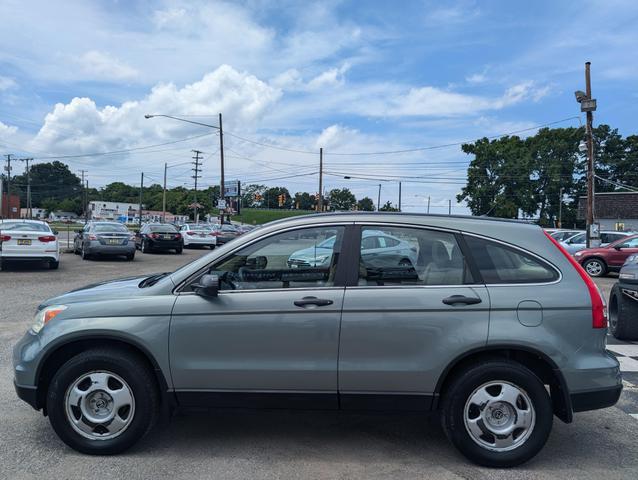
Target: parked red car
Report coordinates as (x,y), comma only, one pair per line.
(599,261)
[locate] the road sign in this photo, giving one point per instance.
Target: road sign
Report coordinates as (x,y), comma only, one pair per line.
(231,188)
(221,204)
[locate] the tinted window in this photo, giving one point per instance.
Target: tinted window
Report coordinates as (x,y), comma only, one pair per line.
(410,256)
(295,259)
(501,264)
(109,227)
(580,238)
(26,226)
(162,228)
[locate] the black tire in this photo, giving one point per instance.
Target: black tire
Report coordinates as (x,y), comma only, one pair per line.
(84,254)
(468,381)
(75,249)
(597,266)
(3,264)
(178,251)
(623,316)
(144,248)
(130,257)
(53,265)
(128,366)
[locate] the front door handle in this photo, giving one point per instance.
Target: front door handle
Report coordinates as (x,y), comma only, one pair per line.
(461,300)
(318,302)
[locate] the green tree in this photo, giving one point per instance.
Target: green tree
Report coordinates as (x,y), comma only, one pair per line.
(365,204)
(341,199)
(271,197)
(49,181)
(388,207)
(249,192)
(304,201)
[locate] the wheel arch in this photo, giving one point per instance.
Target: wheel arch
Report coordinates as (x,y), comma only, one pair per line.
(539,363)
(62,352)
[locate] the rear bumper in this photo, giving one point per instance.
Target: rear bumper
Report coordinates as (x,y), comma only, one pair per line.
(595,399)
(46,257)
(111,249)
(164,245)
(200,240)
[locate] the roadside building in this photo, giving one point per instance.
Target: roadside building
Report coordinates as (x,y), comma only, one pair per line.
(119,211)
(613,210)
(10,206)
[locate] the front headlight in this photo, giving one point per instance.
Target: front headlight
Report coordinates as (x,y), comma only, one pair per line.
(578,254)
(45,315)
(322,259)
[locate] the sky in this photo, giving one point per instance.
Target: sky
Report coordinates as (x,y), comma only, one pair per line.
(356,78)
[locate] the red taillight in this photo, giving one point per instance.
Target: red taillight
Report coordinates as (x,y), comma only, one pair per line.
(178,236)
(154,235)
(598,307)
(215,234)
(5,238)
(190,233)
(47,238)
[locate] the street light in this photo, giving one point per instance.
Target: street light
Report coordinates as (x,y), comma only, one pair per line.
(221,146)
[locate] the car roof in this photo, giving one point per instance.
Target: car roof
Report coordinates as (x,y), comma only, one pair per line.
(22,220)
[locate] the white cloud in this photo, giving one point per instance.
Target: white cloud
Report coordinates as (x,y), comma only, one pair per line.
(7,131)
(476,78)
(6,83)
(330,78)
(335,137)
(80,126)
(102,66)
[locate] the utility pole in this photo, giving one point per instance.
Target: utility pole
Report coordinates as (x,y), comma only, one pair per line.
(8,169)
(28,172)
(320,199)
(449,207)
(428,204)
(1,195)
(195,176)
(588,105)
(141,188)
(399,196)
(560,208)
(84,197)
(222,189)
(379,199)
(164,195)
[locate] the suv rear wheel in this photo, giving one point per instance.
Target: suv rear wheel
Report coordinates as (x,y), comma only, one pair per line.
(102,401)
(497,413)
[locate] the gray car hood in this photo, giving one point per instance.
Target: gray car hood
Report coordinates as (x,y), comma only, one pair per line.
(119,288)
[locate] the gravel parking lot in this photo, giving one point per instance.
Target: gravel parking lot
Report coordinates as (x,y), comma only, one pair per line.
(242,444)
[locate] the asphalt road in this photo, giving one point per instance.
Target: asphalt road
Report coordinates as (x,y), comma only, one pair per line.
(228,445)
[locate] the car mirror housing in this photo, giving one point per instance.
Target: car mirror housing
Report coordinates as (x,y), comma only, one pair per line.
(208,286)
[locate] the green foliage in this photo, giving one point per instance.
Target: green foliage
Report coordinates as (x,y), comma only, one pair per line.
(258,216)
(365,205)
(341,199)
(388,207)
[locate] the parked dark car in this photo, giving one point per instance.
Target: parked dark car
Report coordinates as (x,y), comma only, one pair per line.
(104,238)
(159,236)
(225,232)
(602,260)
(623,302)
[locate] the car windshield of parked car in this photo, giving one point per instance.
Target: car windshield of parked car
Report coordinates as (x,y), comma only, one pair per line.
(109,227)
(624,243)
(580,238)
(24,226)
(162,229)
(285,260)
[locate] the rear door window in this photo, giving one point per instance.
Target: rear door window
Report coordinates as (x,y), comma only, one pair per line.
(500,264)
(410,256)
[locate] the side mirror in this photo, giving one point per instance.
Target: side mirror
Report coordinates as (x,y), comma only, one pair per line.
(618,247)
(208,286)
(55,232)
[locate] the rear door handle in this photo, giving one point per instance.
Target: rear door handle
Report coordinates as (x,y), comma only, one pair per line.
(318,302)
(461,300)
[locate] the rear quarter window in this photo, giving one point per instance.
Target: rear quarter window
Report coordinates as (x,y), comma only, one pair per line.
(500,264)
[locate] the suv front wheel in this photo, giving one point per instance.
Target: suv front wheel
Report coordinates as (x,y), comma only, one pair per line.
(497,413)
(102,401)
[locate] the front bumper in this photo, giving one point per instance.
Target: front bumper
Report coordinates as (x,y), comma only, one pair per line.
(28,394)
(595,399)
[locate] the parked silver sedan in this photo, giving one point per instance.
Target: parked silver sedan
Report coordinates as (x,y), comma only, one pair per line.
(104,238)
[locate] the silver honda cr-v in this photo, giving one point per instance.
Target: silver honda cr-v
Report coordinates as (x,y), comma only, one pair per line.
(487,321)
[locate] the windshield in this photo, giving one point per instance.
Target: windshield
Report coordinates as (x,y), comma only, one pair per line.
(328,243)
(205,228)
(110,227)
(25,226)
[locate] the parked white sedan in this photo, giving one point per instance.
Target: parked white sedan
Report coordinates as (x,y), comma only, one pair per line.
(198,234)
(28,240)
